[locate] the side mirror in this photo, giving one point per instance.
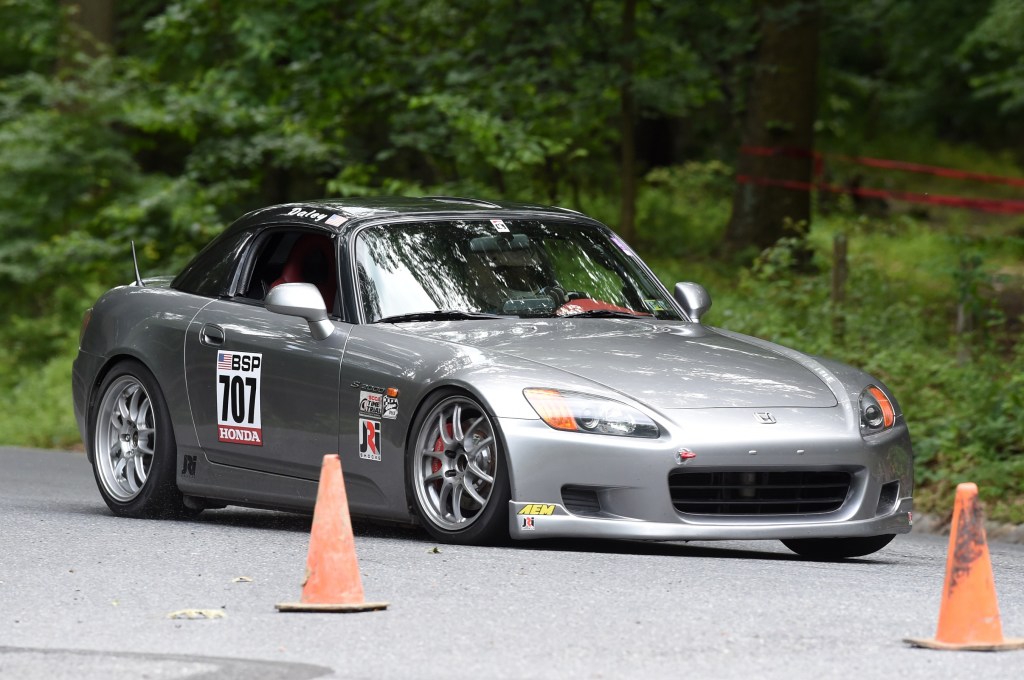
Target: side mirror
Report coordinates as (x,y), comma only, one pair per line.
(694,300)
(303,300)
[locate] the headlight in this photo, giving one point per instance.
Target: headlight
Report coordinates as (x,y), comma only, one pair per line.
(575,412)
(876,411)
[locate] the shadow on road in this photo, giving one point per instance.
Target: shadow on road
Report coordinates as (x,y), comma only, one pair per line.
(273,520)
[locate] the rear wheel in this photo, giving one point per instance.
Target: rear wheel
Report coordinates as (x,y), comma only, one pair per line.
(837,548)
(132,445)
(458,473)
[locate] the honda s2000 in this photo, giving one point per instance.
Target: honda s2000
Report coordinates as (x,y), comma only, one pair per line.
(485,370)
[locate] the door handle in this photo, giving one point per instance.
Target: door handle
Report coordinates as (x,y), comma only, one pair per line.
(212,335)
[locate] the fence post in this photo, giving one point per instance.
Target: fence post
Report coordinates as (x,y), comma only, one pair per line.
(840,272)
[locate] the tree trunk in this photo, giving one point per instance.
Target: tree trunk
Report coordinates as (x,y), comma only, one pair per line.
(778,121)
(91,24)
(627,171)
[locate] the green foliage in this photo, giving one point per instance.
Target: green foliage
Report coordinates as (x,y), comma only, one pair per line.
(28,35)
(896,65)
(996,44)
(681,210)
(38,409)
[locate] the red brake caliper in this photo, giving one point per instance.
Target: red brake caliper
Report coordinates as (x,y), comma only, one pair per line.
(435,464)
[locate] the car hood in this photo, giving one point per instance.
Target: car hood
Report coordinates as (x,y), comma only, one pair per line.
(666,365)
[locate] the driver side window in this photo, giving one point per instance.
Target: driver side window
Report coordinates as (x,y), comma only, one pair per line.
(295,256)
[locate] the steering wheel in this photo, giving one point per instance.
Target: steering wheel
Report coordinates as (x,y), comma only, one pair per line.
(556,293)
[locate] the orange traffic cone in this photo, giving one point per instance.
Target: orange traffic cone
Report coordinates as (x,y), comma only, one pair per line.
(969,614)
(332,572)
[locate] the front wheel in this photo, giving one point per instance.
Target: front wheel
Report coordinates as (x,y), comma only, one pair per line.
(132,445)
(837,548)
(458,473)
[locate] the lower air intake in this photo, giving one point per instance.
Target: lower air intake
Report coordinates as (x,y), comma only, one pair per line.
(580,500)
(758,492)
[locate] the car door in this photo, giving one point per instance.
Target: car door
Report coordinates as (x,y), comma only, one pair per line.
(264,394)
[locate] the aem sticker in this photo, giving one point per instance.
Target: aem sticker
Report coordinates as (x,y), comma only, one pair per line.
(499,225)
(537,509)
(238,398)
(369,439)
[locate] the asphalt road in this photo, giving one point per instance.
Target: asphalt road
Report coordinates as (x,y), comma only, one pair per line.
(86,595)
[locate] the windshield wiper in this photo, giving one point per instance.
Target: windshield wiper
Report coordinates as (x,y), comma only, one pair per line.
(438,315)
(604,314)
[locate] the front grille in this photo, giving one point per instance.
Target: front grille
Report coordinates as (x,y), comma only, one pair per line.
(758,492)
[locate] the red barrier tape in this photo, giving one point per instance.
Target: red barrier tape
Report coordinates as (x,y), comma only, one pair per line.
(991,205)
(936,170)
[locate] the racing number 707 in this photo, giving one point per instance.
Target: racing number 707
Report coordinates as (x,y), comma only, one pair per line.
(234,399)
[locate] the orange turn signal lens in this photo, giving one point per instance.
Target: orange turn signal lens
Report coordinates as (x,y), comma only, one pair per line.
(552,407)
(888,413)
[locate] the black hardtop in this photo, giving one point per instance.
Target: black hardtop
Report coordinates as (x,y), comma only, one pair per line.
(341,214)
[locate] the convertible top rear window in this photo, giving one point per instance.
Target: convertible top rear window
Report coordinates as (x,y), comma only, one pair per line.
(209,272)
(524,268)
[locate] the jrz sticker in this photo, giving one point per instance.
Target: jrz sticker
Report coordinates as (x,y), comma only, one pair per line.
(238,398)
(499,225)
(370,403)
(528,524)
(369,439)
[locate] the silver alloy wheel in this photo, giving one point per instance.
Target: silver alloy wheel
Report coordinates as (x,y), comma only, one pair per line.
(125,438)
(455,463)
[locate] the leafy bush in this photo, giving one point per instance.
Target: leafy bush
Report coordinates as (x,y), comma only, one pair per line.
(682,210)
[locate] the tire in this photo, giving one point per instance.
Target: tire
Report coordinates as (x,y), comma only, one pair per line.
(457,473)
(132,445)
(837,548)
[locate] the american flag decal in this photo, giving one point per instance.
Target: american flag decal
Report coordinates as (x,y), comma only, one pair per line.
(223,361)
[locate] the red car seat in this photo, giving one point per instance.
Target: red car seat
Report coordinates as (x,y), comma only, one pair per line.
(312,261)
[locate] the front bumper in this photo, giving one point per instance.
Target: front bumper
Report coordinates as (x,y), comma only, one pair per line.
(626,479)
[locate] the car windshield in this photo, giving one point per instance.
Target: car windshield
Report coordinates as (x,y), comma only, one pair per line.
(524,268)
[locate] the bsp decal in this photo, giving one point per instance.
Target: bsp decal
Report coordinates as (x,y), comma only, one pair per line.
(238,398)
(369,439)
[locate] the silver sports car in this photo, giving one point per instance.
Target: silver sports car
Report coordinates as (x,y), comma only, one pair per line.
(487,370)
